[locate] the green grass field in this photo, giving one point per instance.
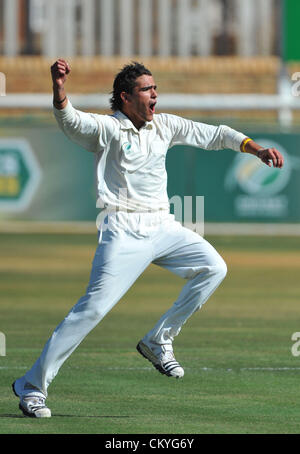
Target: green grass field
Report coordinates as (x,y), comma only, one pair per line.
(241,377)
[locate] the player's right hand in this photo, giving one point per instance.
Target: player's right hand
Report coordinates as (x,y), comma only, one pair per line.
(59,71)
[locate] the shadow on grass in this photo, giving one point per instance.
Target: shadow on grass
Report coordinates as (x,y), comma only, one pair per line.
(12,416)
(83,416)
(5,415)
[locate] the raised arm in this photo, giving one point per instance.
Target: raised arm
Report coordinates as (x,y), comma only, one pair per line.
(59,71)
(91,131)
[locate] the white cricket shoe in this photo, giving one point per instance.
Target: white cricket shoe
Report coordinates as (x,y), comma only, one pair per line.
(162,358)
(32,403)
(34,406)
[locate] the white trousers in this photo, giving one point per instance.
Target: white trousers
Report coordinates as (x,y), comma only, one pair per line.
(127,245)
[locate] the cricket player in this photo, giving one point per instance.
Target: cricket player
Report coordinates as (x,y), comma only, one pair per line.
(135,225)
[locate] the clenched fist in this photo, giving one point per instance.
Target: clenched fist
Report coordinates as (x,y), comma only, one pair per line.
(59,71)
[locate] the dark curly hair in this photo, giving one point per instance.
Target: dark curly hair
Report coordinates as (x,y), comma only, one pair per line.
(125,80)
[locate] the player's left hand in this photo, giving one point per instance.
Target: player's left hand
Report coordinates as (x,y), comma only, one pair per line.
(271,156)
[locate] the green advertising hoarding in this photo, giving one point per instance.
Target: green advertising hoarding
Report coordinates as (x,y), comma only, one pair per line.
(19,174)
(238,187)
(65,190)
(290,21)
(45,177)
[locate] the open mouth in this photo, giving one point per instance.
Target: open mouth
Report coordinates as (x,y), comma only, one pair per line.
(152,107)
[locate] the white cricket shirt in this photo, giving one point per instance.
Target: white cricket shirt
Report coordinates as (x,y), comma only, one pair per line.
(131,171)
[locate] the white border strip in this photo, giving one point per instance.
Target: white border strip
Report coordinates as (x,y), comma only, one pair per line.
(173,101)
(256,229)
(218,229)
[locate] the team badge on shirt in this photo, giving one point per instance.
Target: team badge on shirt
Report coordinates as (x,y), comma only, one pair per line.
(126,147)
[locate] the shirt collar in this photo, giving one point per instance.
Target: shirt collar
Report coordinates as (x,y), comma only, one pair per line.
(126,123)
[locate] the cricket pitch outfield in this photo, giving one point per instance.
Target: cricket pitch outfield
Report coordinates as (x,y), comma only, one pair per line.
(240,374)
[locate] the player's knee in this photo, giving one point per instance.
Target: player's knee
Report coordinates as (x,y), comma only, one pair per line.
(90,308)
(96,311)
(220,270)
(97,315)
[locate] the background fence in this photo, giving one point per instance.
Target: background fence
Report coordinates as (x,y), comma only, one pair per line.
(140,27)
(220,61)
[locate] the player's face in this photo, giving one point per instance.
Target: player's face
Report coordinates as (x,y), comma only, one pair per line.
(139,106)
